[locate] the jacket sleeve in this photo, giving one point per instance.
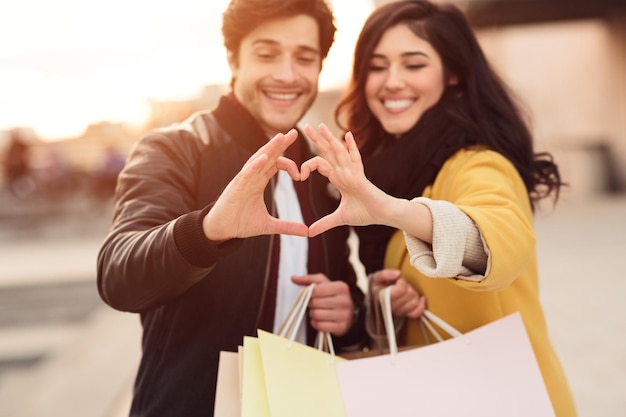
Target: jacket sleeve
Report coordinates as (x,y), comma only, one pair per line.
(488,189)
(156,249)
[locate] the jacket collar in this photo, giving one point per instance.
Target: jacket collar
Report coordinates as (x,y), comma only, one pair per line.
(240,125)
(237,121)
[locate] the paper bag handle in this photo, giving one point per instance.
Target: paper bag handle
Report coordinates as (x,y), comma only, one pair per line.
(427,317)
(294,319)
(292,322)
(385,302)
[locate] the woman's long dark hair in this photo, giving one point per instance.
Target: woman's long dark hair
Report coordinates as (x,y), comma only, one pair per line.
(484,105)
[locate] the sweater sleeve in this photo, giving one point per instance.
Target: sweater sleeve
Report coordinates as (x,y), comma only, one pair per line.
(464,257)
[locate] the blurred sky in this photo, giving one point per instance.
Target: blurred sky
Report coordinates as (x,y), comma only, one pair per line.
(67,63)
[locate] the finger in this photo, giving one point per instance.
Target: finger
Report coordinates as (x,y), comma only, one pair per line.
(353,149)
(276,146)
(421,307)
(337,321)
(286,164)
(385,277)
(315,137)
(414,309)
(317,163)
(337,290)
(251,169)
(285,227)
(404,302)
(268,148)
(274,150)
(339,146)
(328,135)
(309,279)
(306,168)
(403,291)
(324,224)
(330,315)
(335,148)
(333,327)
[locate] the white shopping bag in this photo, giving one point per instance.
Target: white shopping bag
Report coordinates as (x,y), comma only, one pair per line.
(488,372)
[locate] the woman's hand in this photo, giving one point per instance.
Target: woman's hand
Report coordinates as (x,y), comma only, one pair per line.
(362,203)
(405,300)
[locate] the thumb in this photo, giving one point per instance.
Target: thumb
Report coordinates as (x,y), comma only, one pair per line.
(385,277)
(321,225)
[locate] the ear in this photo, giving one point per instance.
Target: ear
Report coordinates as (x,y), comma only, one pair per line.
(233,62)
(453,80)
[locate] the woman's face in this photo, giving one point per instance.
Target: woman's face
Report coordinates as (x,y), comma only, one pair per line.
(405,79)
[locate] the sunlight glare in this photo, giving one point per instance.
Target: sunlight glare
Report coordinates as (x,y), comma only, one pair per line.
(77,63)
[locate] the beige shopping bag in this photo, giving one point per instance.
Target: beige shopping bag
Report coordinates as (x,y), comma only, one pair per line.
(488,372)
(228,390)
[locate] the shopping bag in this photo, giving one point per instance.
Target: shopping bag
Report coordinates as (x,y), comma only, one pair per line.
(489,372)
(240,389)
(228,390)
(300,380)
(253,392)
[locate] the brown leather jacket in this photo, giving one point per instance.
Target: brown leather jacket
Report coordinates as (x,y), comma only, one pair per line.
(197,298)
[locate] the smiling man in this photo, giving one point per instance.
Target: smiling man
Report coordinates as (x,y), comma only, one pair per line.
(208,241)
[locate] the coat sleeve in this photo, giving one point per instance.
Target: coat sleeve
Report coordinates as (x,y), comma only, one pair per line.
(488,189)
(155,249)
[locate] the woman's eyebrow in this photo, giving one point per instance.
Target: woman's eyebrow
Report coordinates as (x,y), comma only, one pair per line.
(404,54)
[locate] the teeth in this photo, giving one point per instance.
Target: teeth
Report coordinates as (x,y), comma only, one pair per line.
(397,104)
(285,96)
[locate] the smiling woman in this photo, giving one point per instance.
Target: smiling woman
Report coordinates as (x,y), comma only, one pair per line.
(75,63)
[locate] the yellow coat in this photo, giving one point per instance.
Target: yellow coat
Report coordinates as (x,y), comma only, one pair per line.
(487,187)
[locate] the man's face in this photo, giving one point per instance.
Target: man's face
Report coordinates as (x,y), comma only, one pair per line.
(277,70)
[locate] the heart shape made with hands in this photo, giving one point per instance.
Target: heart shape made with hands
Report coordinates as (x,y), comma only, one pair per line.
(241,212)
(340,162)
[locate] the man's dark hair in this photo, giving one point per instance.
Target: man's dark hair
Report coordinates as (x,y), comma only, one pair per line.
(243,16)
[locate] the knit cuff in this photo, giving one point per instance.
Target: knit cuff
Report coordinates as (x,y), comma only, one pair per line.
(464,256)
(193,244)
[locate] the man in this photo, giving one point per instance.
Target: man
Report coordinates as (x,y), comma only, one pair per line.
(208,241)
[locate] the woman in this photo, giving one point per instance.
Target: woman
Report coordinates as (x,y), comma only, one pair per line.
(448,176)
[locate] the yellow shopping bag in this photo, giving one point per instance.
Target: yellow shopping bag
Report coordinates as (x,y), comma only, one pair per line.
(284,378)
(300,380)
(273,375)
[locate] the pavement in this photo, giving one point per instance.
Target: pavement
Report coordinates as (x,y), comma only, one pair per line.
(64,353)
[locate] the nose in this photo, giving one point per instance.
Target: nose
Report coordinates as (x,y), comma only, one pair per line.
(395,78)
(286,70)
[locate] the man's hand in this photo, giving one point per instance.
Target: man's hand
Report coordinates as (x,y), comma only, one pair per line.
(331,308)
(240,210)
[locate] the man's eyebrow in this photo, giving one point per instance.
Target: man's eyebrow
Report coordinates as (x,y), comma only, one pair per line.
(272,42)
(265,41)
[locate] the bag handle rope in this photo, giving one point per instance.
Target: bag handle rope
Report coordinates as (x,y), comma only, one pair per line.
(294,319)
(427,317)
